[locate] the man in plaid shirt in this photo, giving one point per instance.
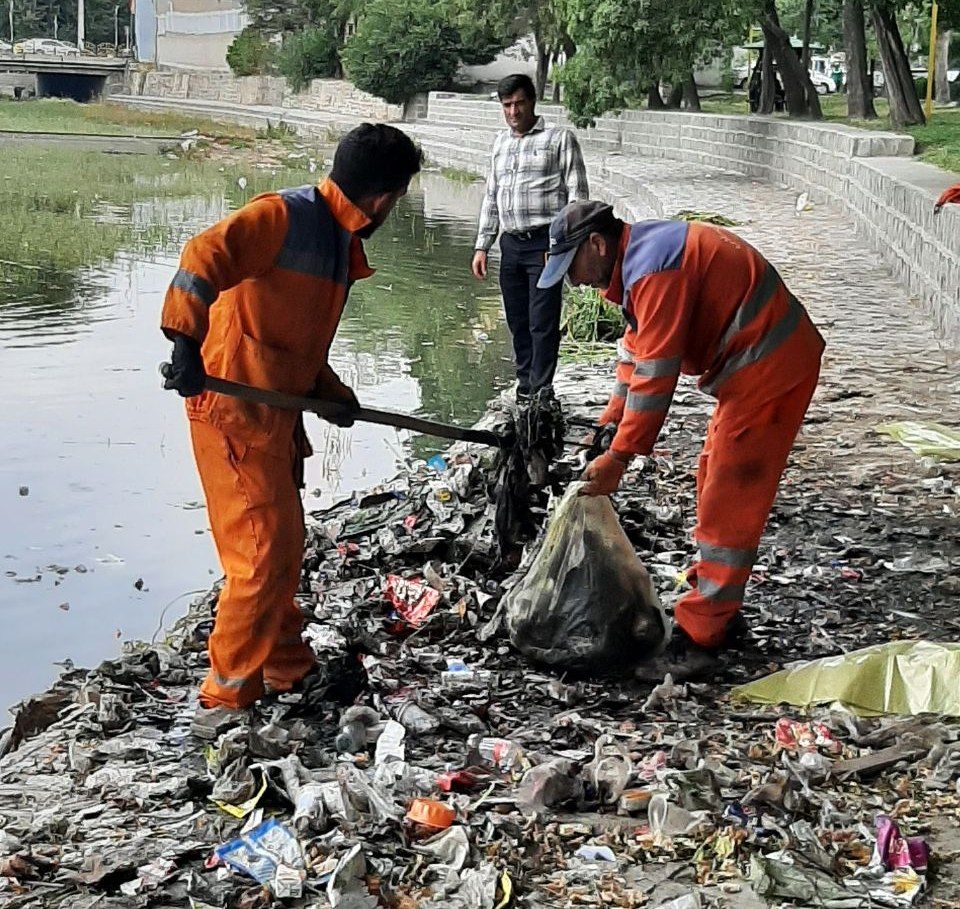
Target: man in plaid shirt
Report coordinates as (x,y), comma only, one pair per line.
(535,171)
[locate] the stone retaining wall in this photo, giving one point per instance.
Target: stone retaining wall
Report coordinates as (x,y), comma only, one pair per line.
(869,175)
(333,95)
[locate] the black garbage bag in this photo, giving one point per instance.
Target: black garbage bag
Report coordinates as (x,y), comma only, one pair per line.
(587,603)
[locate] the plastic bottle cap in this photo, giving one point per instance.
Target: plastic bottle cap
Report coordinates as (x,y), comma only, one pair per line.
(431,813)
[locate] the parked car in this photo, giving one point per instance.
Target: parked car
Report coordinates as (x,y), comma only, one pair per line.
(48,46)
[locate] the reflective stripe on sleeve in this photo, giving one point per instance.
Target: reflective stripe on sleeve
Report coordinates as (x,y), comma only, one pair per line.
(620,389)
(194,285)
(640,402)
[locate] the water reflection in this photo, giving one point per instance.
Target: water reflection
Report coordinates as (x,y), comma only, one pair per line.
(112,496)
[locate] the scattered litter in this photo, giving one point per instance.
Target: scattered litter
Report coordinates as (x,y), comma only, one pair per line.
(427,764)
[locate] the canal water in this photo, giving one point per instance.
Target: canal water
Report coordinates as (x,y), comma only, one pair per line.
(104,535)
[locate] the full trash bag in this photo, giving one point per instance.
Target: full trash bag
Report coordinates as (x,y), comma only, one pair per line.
(587,603)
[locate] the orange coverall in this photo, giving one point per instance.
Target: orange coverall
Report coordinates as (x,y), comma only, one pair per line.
(701,301)
(263,290)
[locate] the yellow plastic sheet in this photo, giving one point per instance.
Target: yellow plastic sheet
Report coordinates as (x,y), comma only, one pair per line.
(902,677)
(926,439)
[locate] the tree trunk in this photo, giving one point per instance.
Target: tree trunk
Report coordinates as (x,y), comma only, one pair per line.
(768,81)
(905,109)
(941,84)
(691,97)
(859,81)
(654,98)
(544,53)
(676,96)
(807,25)
(800,96)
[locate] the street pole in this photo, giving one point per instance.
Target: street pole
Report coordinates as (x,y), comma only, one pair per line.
(11,21)
(116,29)
(81,29)
(931,61)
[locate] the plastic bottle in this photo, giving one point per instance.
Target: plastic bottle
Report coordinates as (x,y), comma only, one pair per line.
(355,726)
(352,737)
(501,753)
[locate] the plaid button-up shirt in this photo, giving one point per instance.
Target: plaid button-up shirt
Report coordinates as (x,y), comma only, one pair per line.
(531,178)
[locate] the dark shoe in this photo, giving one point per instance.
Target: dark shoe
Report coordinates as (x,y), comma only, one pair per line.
(683,659)
(523,398)
(737,633)
(210,722)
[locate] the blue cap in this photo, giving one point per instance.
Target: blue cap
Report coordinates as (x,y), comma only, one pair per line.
(572,225)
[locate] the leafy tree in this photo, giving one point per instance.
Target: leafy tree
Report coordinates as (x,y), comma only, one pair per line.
(402,48)
(625,48)
(309,54)
(49,18)
(249,54)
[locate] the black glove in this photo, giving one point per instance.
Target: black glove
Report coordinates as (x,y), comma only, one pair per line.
(349,406)
(184,373)
(602,439)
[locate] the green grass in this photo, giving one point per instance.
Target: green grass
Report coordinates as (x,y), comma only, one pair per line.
(65,209)
(938,142)
(52,115)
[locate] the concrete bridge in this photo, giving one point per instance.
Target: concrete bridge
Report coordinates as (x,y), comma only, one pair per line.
(48,76)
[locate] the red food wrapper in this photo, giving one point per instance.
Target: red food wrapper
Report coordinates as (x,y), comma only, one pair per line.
(792,735)
(411,597)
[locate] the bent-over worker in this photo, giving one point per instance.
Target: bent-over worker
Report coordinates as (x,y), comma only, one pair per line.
(698,300)
(949,195)
(257,299)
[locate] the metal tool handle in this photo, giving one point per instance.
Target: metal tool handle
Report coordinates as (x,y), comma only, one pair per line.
(365,414)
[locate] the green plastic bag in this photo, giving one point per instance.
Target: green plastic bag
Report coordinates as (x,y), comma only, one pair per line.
(902,677)
(926,439)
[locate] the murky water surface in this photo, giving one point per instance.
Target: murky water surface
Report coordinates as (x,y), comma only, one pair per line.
(103,525)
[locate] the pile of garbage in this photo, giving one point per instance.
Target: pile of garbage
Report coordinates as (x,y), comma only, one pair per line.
(428,764)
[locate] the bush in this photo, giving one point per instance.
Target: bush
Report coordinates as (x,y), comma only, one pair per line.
(921,84)
(402,48)
(250,54)
(587,317)
(310,54)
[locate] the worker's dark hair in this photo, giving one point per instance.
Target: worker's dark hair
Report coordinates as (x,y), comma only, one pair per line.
(515,83)
(374,158)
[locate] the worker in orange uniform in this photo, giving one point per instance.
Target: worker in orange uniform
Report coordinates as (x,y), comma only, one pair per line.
(949,195)
(257,299)
(701,301)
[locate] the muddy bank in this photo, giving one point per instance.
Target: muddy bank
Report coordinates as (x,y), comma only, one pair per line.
(106,800)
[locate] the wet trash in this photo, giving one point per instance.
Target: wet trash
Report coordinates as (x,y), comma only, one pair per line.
(893,850)
(670,790)
(412,598)
(925,439)
(24,490)
(268,853)
(586,603)
(902,677)
(431,814)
